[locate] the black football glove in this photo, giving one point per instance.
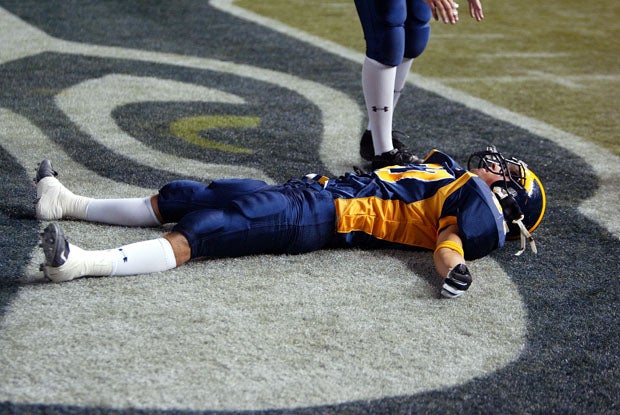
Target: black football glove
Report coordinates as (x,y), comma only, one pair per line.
(457,282)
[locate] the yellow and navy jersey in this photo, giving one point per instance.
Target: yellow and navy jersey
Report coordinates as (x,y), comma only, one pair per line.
(409,205)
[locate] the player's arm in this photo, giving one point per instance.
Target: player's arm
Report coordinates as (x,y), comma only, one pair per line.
(450,263)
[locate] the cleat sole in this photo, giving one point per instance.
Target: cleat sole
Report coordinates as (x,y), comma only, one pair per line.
(54,246)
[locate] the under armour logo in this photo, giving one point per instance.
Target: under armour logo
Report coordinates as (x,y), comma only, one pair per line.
(123,254)
(375,109)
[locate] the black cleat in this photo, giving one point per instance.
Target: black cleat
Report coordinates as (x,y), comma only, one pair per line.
(393,158)
(367,150)
(45,170)
(55,246)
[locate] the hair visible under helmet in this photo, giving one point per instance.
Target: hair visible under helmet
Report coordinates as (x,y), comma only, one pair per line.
(519,191)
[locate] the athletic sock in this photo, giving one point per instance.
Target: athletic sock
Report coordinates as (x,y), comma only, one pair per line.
(144,257)
(125,212)
(402,71)
(378,87)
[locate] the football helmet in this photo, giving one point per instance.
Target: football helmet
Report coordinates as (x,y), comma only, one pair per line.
(519,191)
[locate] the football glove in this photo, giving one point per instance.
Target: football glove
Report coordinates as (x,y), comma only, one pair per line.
(457,282)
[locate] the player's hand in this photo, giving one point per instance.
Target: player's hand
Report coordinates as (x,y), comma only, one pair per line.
(475,10)
(446,9)
(449,13)
(457,282)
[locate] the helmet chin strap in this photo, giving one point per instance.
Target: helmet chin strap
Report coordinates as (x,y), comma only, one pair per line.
(525,234)
(513,213)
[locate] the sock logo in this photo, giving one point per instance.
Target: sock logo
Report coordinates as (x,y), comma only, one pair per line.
(123,254)
(376,109)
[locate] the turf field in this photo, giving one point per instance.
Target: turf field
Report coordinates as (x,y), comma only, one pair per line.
(556,62)
(126,95)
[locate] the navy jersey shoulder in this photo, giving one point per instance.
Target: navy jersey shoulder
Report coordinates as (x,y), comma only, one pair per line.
(479,216)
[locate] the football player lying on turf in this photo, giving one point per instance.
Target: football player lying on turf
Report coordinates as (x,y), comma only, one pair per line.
(436,205)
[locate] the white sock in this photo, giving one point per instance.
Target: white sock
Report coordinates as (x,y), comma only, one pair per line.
(402,71)
(378,86)
(125,212)
(144,257)
(138,258)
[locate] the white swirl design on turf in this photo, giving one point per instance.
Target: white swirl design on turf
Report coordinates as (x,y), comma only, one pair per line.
(247,333)
(94,117)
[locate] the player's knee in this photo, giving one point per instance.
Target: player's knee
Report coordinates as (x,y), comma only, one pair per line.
(416,39)
(388,49)
(417,29)
(386,44)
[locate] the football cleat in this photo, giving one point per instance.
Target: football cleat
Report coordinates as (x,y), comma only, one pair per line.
(45,170)
(48,205)
(54,201)
(49,189)
(56,250)
(367,149)
(393,158)
(66,262)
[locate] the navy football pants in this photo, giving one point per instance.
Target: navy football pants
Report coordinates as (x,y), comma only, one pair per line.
(394,29)
(235,217)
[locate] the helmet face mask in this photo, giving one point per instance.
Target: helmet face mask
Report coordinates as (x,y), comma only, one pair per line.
(510,169)
(518,182)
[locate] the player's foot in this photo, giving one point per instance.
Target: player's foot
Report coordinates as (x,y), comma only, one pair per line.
(59,265)
(48,192)
(52,195)
(45,170)
(394,157)
(367,150)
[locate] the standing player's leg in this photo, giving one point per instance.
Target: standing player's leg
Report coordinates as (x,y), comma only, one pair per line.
(417,35)
(384,30)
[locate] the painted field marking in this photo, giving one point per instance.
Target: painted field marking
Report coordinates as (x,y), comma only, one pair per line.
(362,271)
(567,81)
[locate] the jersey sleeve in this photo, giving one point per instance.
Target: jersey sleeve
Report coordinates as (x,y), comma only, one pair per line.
(481,223)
